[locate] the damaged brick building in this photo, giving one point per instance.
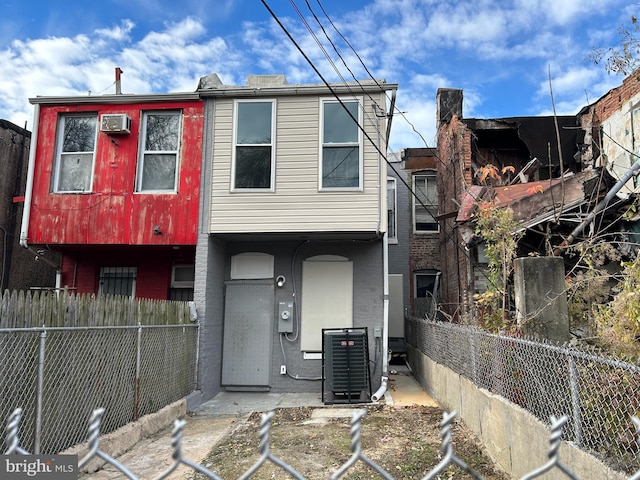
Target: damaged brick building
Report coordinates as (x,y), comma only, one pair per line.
(571,177)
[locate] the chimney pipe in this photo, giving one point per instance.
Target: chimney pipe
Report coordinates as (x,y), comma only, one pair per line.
(118,84)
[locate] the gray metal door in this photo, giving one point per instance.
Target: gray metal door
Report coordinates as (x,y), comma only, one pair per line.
(248,331)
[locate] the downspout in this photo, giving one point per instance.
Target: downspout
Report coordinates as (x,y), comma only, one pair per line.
(599,207)
(26,212)
(382,179)
(385,321)
(385,282)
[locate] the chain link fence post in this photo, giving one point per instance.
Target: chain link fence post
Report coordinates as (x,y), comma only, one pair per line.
(39,391)
(575,401)
(136,396)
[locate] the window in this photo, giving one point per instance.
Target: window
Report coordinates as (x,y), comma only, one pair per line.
(75,153)
(158,164)
(254,152)
(426,286)
(425,210)
(182,281)
(341,165)
(392,235)
(480,269)
(118,281)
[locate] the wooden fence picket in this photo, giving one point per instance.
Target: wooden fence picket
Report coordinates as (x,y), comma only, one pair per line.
(20,309)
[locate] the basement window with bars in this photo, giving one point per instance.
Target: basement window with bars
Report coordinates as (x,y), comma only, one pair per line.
(118,281)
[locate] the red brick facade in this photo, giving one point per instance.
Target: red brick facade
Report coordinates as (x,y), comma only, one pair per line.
(454,174)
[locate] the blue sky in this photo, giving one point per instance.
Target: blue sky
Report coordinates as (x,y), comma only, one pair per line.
(500,52)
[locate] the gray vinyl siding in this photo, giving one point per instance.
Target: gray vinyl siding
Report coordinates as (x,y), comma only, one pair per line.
(296,204)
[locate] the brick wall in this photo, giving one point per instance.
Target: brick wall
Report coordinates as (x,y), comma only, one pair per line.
(454,174)
(19,269)
(616,98)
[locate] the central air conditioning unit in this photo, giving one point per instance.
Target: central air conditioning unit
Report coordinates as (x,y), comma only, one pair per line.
(345,365)
(115,123)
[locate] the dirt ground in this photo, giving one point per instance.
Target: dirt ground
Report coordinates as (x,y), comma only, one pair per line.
(404,441)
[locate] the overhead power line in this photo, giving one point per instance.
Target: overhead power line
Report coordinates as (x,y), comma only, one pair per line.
(367,136)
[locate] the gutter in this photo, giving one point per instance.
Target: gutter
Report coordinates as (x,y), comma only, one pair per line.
(114,99)
(297,89)
(26,212)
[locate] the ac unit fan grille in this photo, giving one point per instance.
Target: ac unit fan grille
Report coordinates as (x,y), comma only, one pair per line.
(349,372)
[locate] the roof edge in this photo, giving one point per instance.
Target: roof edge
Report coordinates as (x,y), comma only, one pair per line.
(115,99)
(295,89)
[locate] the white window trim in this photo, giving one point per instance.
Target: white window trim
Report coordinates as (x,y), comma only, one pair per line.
(142,152)
(394,239)
(59,143)
(360,186)
(181,283)
(272,180)
(415,202)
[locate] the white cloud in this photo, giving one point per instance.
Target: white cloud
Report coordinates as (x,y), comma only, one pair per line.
(478,46)
(169,60)
(558,13)
(120,33)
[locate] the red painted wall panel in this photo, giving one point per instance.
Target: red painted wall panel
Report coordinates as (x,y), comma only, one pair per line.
(113,214)
(80,268)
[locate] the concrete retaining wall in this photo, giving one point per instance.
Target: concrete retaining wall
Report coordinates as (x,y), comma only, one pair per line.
(123,439)
(516,440)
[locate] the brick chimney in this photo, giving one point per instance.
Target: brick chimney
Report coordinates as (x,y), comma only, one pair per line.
(448,104)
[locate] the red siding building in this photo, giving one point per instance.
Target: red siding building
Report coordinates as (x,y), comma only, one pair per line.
(114,185)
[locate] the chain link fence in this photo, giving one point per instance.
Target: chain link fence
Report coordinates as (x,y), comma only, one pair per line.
(58,375)
(449,460)
(599,394)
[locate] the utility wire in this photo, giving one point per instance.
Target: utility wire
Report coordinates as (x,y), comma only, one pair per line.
(447,167)
(334,93)
(448,235)
(409,188)
(367,70)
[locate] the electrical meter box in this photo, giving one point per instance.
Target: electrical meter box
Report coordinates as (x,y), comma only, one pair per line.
(285,317)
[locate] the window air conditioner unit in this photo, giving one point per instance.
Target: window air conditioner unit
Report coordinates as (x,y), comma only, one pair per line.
(115,123)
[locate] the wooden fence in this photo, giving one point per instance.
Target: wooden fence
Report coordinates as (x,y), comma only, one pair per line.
(20,309)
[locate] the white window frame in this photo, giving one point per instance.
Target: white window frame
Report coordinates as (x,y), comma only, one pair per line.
(60,154)
(143,152)
(182,283)
(416,204)
(272,144)
(392,236)
(359,144)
